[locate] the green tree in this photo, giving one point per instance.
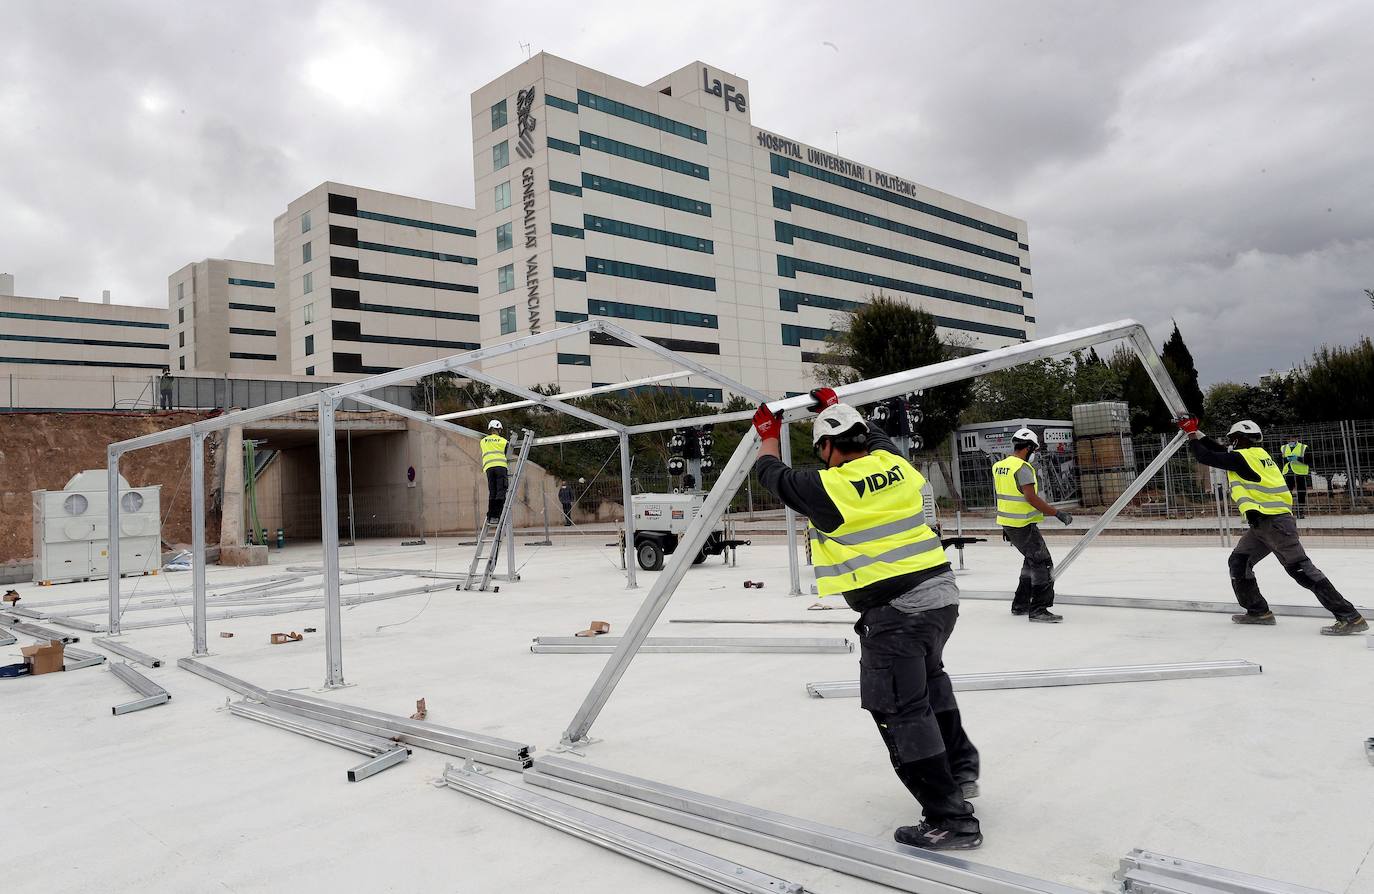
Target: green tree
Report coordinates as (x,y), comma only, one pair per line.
(885,336)
(1093,379)
(1179,361)
(1337,383)
(1270,405)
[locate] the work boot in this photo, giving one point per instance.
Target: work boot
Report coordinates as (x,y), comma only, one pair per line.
(937,837)
(1045,616)
(1265,619)
(970,789)
(1344,628)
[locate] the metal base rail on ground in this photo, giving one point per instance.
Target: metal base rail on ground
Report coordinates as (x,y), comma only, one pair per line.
(570,645)
(326,402)
(493,533)
(76,659)
(878,860)
(7,638)
(35,630)
(797,409)
(1172,605)
(484,749)
(152,694)
(1079,676)
(228,681)
(1146,872)
(383,753)
(685,862)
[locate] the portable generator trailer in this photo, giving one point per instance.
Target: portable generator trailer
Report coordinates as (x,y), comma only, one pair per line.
(660,520)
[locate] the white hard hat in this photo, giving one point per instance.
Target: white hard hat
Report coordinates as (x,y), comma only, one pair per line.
(1025,434)
(494,424)
(1248,428)
(836,420)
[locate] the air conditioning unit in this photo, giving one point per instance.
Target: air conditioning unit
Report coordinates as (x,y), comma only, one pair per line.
(71,529)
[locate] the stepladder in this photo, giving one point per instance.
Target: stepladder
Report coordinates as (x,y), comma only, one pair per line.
(493,533)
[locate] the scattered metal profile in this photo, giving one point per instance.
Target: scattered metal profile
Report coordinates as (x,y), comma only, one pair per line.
(7,638)
(1172,605)
(850,621)
(876,859)
(382,753)
(30,613)
(685,862)
(152,694)
(1146,872)
(242,687)
(1076,676)
(124,650)
(75,623)
(37,631)
(490,750)
(76,659)
(268,609)
(692,644)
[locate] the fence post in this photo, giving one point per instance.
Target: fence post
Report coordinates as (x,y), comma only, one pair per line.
(1163,442)
(1351,478)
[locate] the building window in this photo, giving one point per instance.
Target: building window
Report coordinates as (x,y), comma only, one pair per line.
(310,313)
(310,370)
(305,253)
(309,283)
(500,155)
(305,222)
(181,339)
(181,315)
(498,115)
(508,320)
(645,194)
(505,278)
(575,359)
(181,363)
(502,193)
(309,345)
(181,291)
(503,236)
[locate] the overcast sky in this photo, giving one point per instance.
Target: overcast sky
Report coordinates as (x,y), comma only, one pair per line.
(1212,163)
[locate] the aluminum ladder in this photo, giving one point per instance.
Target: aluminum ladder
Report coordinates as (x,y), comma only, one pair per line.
(492,533)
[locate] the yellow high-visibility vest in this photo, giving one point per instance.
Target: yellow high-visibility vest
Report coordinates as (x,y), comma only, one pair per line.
(1269,495)
(1013,509)
(1295,459)
(884,533)
(494,452)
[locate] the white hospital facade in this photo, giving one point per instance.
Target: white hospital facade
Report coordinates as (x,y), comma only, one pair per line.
(662,207)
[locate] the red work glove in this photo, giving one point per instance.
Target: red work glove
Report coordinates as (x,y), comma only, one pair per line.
(1188,424)
(767,423)
(823,397)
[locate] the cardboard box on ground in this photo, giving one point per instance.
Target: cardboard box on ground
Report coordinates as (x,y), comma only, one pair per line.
(43,658)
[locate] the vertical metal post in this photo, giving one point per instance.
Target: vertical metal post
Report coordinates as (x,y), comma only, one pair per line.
(959,532)
(1163,442)
(1115,509)
(1351,479)
(510,534)
(329,539)
(749,494)
(544,495)
(628,495)
(955,472)
(1221,523)
(198,644)
(112,535)
(790,517)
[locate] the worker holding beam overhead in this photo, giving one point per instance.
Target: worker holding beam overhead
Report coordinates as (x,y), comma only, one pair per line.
(871,543)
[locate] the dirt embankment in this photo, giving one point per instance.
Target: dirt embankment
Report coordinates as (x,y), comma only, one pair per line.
(42,451)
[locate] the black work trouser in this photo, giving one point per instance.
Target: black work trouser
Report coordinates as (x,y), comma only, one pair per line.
(165,400)
(1035,587)
(903,684)
(1278,534)
(567,514)
(496,491)
(1298,485)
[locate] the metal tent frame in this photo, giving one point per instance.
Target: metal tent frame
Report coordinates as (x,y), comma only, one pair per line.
(328,400)
(797,409)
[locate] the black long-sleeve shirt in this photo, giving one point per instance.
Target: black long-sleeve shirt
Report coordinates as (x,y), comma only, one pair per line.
(801,491)
(1210,452)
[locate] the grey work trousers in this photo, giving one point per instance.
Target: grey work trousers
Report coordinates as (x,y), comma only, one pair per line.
(1278,534)
(1035,588)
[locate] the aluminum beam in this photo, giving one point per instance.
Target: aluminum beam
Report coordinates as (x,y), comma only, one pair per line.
(572,645)
(567,395)
(436,421)
(75,659)
(881,860)
(6,638)
(1079,676)
(1146,872)
(701,369)
(286,609)
(112,533)
(798,408)
(124,650)
(1172,605)
(377,764)
(647,427)
(36,631)
(543,400)
(329,538)
(627,492)
(242,687)
(152,694)
(198,644)
(382,753)
(685,862)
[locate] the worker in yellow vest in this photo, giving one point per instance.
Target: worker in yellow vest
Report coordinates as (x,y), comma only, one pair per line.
(1297,472)
(1020,509)
(1259,492)
(871,543)
(495,465)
